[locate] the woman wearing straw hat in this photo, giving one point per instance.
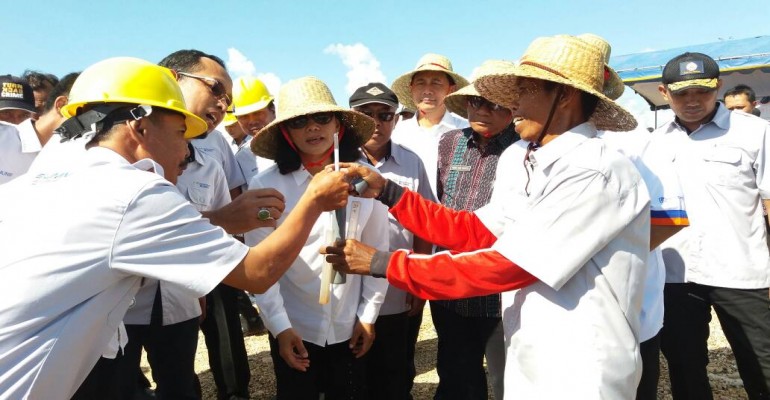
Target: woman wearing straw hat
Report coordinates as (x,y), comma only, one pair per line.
(570,238)
(318,347)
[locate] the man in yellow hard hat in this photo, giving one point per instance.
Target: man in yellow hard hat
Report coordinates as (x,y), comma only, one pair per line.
(119,221)
(254,108)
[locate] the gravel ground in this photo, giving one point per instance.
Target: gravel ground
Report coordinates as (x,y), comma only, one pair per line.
(725,381)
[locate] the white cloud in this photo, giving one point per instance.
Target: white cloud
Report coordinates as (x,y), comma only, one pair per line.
(239,66)
(363,66)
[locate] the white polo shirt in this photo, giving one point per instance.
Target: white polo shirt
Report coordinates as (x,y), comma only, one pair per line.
(217,147)
(667,207)
(203,184)
(424,141)
(19,145)
(68,273)
(583,231)
(723,169)
(293,301)
(405,168)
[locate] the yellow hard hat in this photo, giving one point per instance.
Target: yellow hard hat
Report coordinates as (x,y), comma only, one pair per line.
(134,81)
(229,117)
(249,95)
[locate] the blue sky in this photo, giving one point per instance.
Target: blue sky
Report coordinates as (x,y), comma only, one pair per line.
(346,43)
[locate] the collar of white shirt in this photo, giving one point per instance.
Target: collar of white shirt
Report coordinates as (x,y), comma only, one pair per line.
(30,143)
(301,176)
(561,145)
(449,120)
(104,155)
(721,120)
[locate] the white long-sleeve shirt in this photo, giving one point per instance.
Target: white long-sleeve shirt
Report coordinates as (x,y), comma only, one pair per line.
(293,301)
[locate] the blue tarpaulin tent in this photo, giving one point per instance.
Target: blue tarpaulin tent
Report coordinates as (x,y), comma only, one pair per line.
(745,61)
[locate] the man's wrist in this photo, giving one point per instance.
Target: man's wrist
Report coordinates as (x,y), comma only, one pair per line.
(379,265)
(391,193)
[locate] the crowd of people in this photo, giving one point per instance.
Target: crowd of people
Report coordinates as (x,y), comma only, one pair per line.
(561,249)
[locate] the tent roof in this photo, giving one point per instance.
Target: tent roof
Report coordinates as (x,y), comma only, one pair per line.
(745,61)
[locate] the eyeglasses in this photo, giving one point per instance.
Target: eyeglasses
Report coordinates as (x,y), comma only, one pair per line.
(216,87)
(477,102)
(383,116)
(302,121)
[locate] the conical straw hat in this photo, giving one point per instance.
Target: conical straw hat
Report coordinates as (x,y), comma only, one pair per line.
(428,62)
(567,60)
(457,101)
(306,96)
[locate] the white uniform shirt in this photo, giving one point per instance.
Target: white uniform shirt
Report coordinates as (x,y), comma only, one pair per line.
(246,160)
(55,152)
(405,168)
(19,145)
(584,233)
(723,169)
(293,301)
(424,141)
(68,273)
(667,207)
(203,184)
(217,147)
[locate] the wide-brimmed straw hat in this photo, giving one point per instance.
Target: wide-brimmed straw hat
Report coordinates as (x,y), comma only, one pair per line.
(613,85)
(306,96)
(428,62)
(457,101)
(567,60)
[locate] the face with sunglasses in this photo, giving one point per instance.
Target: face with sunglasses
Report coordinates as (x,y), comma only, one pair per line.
(385,120)
(313,134)
(486,118)
(207,91)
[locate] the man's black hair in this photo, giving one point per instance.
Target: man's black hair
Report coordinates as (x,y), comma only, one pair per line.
(61,89)
(588,101)
(37,79)
(188,60)
(742,89)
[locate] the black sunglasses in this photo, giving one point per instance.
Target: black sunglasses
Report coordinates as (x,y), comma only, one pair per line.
(302,121)
(477,102)
(216,87)
(383,116)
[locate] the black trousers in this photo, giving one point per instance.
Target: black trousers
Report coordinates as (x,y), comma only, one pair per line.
(333,371)
(224,339)
(387,375)
(648,385)
(744,315)
(460,357)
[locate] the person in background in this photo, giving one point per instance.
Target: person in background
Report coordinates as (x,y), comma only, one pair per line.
(742,97)
(17,101)
(42,84)
(21,144)
(392,355)
(720,263)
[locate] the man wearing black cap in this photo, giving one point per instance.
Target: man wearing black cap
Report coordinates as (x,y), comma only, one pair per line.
(721,260)
(17,101)
(390,362)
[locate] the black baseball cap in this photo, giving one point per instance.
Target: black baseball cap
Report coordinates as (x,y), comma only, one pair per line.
(15,93)
(373,93)
(691,70)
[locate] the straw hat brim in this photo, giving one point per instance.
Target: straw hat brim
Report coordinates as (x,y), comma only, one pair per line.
(608,116)
(401,85)
(266,141)
(457,102)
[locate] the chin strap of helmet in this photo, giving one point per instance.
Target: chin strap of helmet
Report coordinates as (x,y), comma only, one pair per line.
(99,119)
